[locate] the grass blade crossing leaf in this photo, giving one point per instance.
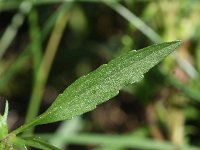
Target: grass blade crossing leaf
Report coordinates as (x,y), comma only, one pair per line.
(103,83)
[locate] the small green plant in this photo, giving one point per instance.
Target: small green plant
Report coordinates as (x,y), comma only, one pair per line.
(87,92)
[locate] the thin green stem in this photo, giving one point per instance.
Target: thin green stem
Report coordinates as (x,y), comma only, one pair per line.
(134,20)
(12,29)
(123,141)
(45,67)
(35,36)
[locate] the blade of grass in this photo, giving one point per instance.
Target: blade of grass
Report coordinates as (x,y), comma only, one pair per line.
(35,143)
(6,77)
(186,66)
(45,67)
(36,43)
(119,141)
(134,20)
(123,141)
(11,31)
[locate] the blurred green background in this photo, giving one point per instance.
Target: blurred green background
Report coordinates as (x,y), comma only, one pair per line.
(46,45)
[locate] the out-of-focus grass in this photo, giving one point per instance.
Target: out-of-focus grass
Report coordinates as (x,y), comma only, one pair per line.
(45,65)
(118,141)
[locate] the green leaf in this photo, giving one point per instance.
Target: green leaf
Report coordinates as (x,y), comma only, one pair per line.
(103,83)
(3,123)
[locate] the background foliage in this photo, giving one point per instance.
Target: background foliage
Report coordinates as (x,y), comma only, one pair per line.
(46,45)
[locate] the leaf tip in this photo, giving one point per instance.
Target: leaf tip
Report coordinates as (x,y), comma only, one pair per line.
(177,42)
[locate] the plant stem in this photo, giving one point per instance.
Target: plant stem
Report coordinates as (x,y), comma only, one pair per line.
(45,67)
(134,20)
(36,44)
(12,29)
